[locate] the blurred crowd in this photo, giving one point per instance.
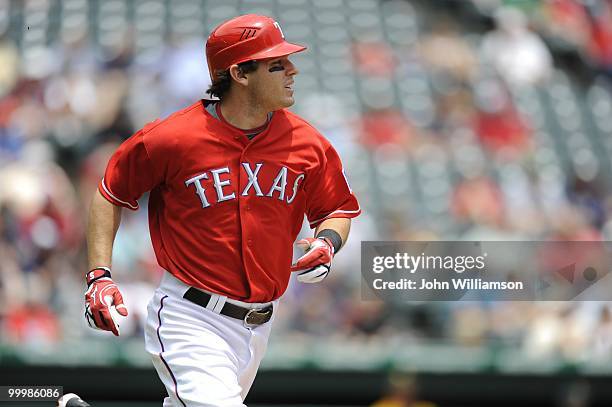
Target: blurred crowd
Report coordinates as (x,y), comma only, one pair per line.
(582,26)
(449,139)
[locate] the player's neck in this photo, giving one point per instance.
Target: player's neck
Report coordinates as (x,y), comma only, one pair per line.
(242,114)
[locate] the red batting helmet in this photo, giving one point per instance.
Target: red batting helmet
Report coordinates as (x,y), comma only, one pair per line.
(245,38)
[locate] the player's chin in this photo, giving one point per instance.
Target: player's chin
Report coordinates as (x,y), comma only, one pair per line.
(288,101)
(282,102)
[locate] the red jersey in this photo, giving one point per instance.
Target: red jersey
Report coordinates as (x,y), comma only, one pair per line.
(224,210)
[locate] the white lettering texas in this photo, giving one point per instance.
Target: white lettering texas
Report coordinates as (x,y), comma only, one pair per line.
(279,184)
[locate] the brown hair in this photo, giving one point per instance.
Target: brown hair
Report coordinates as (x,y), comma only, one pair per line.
(223,80)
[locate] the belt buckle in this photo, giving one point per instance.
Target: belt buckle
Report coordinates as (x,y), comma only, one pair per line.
(255,317)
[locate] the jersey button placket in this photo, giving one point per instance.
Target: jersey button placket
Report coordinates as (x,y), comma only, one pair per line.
(244,200)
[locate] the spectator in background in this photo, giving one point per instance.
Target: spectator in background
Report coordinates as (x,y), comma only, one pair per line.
(583,26)
(385,126)
(478,201)
(570,223)
(374,58)
(454,110)
(568,21)
(589,196)
(600,49)
(602,335)
(470,324)
(448,53)
(556,329)
(498,124)
(31,324)
(9,65)
(517,54)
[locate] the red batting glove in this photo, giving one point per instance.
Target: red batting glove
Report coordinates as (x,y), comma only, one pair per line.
(101,295)
(315,264)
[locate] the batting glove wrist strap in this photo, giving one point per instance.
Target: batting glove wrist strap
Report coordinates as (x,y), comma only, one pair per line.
(328,242)
(97,274)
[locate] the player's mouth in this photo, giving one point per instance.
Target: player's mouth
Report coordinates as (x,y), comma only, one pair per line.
(289,86)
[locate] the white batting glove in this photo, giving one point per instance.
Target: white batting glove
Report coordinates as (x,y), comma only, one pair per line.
(315,264)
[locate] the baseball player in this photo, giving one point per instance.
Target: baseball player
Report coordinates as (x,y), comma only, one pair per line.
(230,181)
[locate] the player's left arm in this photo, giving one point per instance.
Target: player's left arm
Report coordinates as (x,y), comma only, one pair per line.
(335,229)
(330,205)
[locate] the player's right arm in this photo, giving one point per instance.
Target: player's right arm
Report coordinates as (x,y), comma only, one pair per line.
(102,293)
(130,172)
(102,226)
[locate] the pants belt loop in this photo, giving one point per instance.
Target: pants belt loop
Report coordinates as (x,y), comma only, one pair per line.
(220,304)
(212,303)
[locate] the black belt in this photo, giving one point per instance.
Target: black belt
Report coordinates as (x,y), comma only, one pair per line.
(248,315)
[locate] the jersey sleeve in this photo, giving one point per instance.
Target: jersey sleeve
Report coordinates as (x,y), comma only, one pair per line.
(129,173)
(328,194)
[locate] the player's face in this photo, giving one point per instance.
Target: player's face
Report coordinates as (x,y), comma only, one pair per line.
(272,84)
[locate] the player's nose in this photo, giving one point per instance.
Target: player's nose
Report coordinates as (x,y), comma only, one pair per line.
(291,69)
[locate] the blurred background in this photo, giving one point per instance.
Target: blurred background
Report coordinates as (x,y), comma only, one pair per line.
(473,120)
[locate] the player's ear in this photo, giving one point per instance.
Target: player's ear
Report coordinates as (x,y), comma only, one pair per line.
(238,75)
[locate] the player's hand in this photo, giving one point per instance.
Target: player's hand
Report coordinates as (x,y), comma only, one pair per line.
(103,294)
(315,264)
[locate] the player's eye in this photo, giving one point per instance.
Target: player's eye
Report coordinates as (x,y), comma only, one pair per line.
(276,68)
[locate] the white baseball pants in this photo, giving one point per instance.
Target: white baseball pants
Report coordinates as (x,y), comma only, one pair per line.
(202,357)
